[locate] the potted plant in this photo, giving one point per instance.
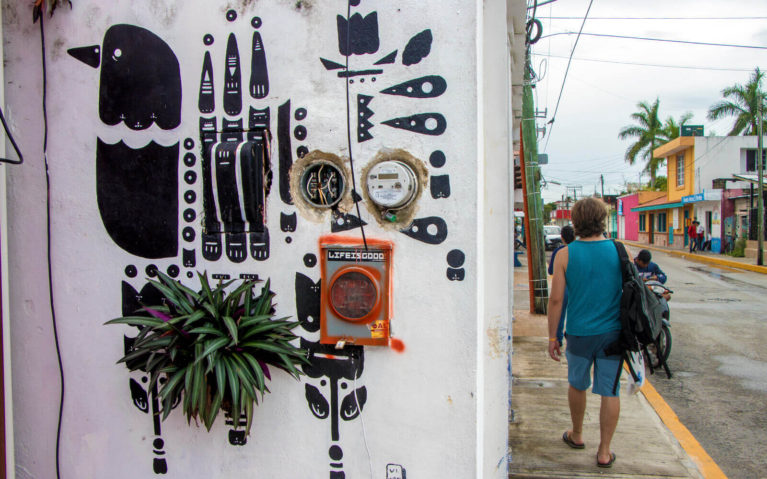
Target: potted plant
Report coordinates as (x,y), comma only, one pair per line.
(211,348)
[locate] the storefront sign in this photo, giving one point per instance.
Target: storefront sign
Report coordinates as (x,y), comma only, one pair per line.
(707,195)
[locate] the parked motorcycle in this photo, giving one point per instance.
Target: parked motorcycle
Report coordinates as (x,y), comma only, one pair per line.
(654,356)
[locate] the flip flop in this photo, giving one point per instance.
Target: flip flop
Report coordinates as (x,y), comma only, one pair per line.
(569,441)
(606,464)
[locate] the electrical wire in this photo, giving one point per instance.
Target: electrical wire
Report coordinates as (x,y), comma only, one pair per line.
(48,238)
(13,142)
(666,40)
(362,421)
(541,4)
(567,70)
(348,123)
(658,18)
(685,67)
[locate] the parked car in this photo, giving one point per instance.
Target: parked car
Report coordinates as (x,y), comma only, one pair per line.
(553,236)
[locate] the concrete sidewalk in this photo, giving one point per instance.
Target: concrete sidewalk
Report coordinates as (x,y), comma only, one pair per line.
(708,257)
(644,446)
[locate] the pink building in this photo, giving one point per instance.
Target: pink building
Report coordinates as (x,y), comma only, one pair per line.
(628,221)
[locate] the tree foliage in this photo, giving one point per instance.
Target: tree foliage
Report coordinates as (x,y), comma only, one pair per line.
(649,134)
(742,102)
(673,129)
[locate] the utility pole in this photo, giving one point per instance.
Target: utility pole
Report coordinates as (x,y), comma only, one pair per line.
(760,198)
(602,180)
(536,249)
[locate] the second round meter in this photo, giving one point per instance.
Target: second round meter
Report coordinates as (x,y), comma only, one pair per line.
(391,184)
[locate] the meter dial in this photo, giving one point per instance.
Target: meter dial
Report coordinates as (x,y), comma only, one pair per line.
(391,184)
(354,294)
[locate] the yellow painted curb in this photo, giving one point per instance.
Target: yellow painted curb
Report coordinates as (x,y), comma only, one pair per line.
(701,259)
(706,465)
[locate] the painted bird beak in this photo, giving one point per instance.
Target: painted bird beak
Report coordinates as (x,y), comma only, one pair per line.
(90,55)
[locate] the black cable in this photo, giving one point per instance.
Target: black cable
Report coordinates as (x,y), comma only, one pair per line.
(348,123)
(666,40)
(535,9)
(541,4)
(567,70)
(50,267)
(15,146)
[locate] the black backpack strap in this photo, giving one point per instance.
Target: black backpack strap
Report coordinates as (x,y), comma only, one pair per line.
(618,376)
(623,256)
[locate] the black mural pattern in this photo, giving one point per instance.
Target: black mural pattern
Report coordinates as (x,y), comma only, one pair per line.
(143,397)
(229,164)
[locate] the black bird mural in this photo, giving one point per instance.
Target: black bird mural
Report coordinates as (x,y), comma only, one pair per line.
(140,78)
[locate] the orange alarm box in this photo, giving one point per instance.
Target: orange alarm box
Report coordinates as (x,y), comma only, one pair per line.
(356,304)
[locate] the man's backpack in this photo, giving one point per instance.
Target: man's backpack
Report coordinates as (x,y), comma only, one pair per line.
(641,319)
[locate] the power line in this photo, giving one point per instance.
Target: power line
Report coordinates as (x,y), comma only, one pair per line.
(656,18)
(562,89)
(686,42)
(685,67)
(540,4)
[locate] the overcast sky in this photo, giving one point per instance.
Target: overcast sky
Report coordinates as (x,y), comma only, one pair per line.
(599,96)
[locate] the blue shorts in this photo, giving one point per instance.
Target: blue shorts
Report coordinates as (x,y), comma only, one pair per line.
(583,352)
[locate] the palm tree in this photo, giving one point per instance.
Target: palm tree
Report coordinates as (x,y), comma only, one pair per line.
(672,129)
(649,134)
(742,102)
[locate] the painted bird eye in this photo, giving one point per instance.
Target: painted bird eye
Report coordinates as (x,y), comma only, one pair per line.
(117,53)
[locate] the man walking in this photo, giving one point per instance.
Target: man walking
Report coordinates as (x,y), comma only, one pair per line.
(590,269)
(692,233)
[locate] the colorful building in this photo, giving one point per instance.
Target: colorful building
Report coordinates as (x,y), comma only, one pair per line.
(697,168)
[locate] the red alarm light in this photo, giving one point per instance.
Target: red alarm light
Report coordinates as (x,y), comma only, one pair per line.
(354,294)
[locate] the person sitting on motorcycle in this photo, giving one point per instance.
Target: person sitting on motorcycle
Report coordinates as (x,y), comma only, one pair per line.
(647,269)
(650,271)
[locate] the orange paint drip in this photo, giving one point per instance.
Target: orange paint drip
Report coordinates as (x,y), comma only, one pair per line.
(397,345)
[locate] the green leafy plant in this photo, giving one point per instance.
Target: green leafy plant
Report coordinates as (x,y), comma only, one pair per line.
(211,347)
(739,251)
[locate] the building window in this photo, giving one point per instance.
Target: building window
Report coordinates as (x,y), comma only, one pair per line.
(662,222)
(680,170)
(642,222)
(751,160)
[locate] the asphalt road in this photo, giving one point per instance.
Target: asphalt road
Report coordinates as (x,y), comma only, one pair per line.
(719,361)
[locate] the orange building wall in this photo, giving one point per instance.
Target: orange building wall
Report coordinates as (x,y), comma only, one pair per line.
(675,193)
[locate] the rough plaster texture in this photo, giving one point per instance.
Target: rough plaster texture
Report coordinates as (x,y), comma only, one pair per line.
(453,372)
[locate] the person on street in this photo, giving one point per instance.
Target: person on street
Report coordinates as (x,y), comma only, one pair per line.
(700,236)
(692,232)
(589,268)
(647,269)
(568,236)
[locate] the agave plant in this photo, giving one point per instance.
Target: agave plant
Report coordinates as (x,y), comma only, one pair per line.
(211,347)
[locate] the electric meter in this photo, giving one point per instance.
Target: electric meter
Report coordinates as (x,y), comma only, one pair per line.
(391,184)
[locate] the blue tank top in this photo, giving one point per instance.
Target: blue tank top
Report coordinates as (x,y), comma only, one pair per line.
(594,288)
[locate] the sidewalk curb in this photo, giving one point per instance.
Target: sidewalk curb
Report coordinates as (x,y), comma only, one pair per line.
(706,465)
(700,258)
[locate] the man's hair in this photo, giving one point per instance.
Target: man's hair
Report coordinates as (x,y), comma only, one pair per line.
(644,256)
(588,217)
(568,234)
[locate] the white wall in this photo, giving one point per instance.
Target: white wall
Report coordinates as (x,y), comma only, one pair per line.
(720,157)
(437,409)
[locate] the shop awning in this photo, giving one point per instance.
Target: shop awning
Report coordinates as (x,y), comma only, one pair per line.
(751,178)
(662,206)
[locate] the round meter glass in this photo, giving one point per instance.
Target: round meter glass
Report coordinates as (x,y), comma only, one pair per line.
(353,295)
(391,184)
